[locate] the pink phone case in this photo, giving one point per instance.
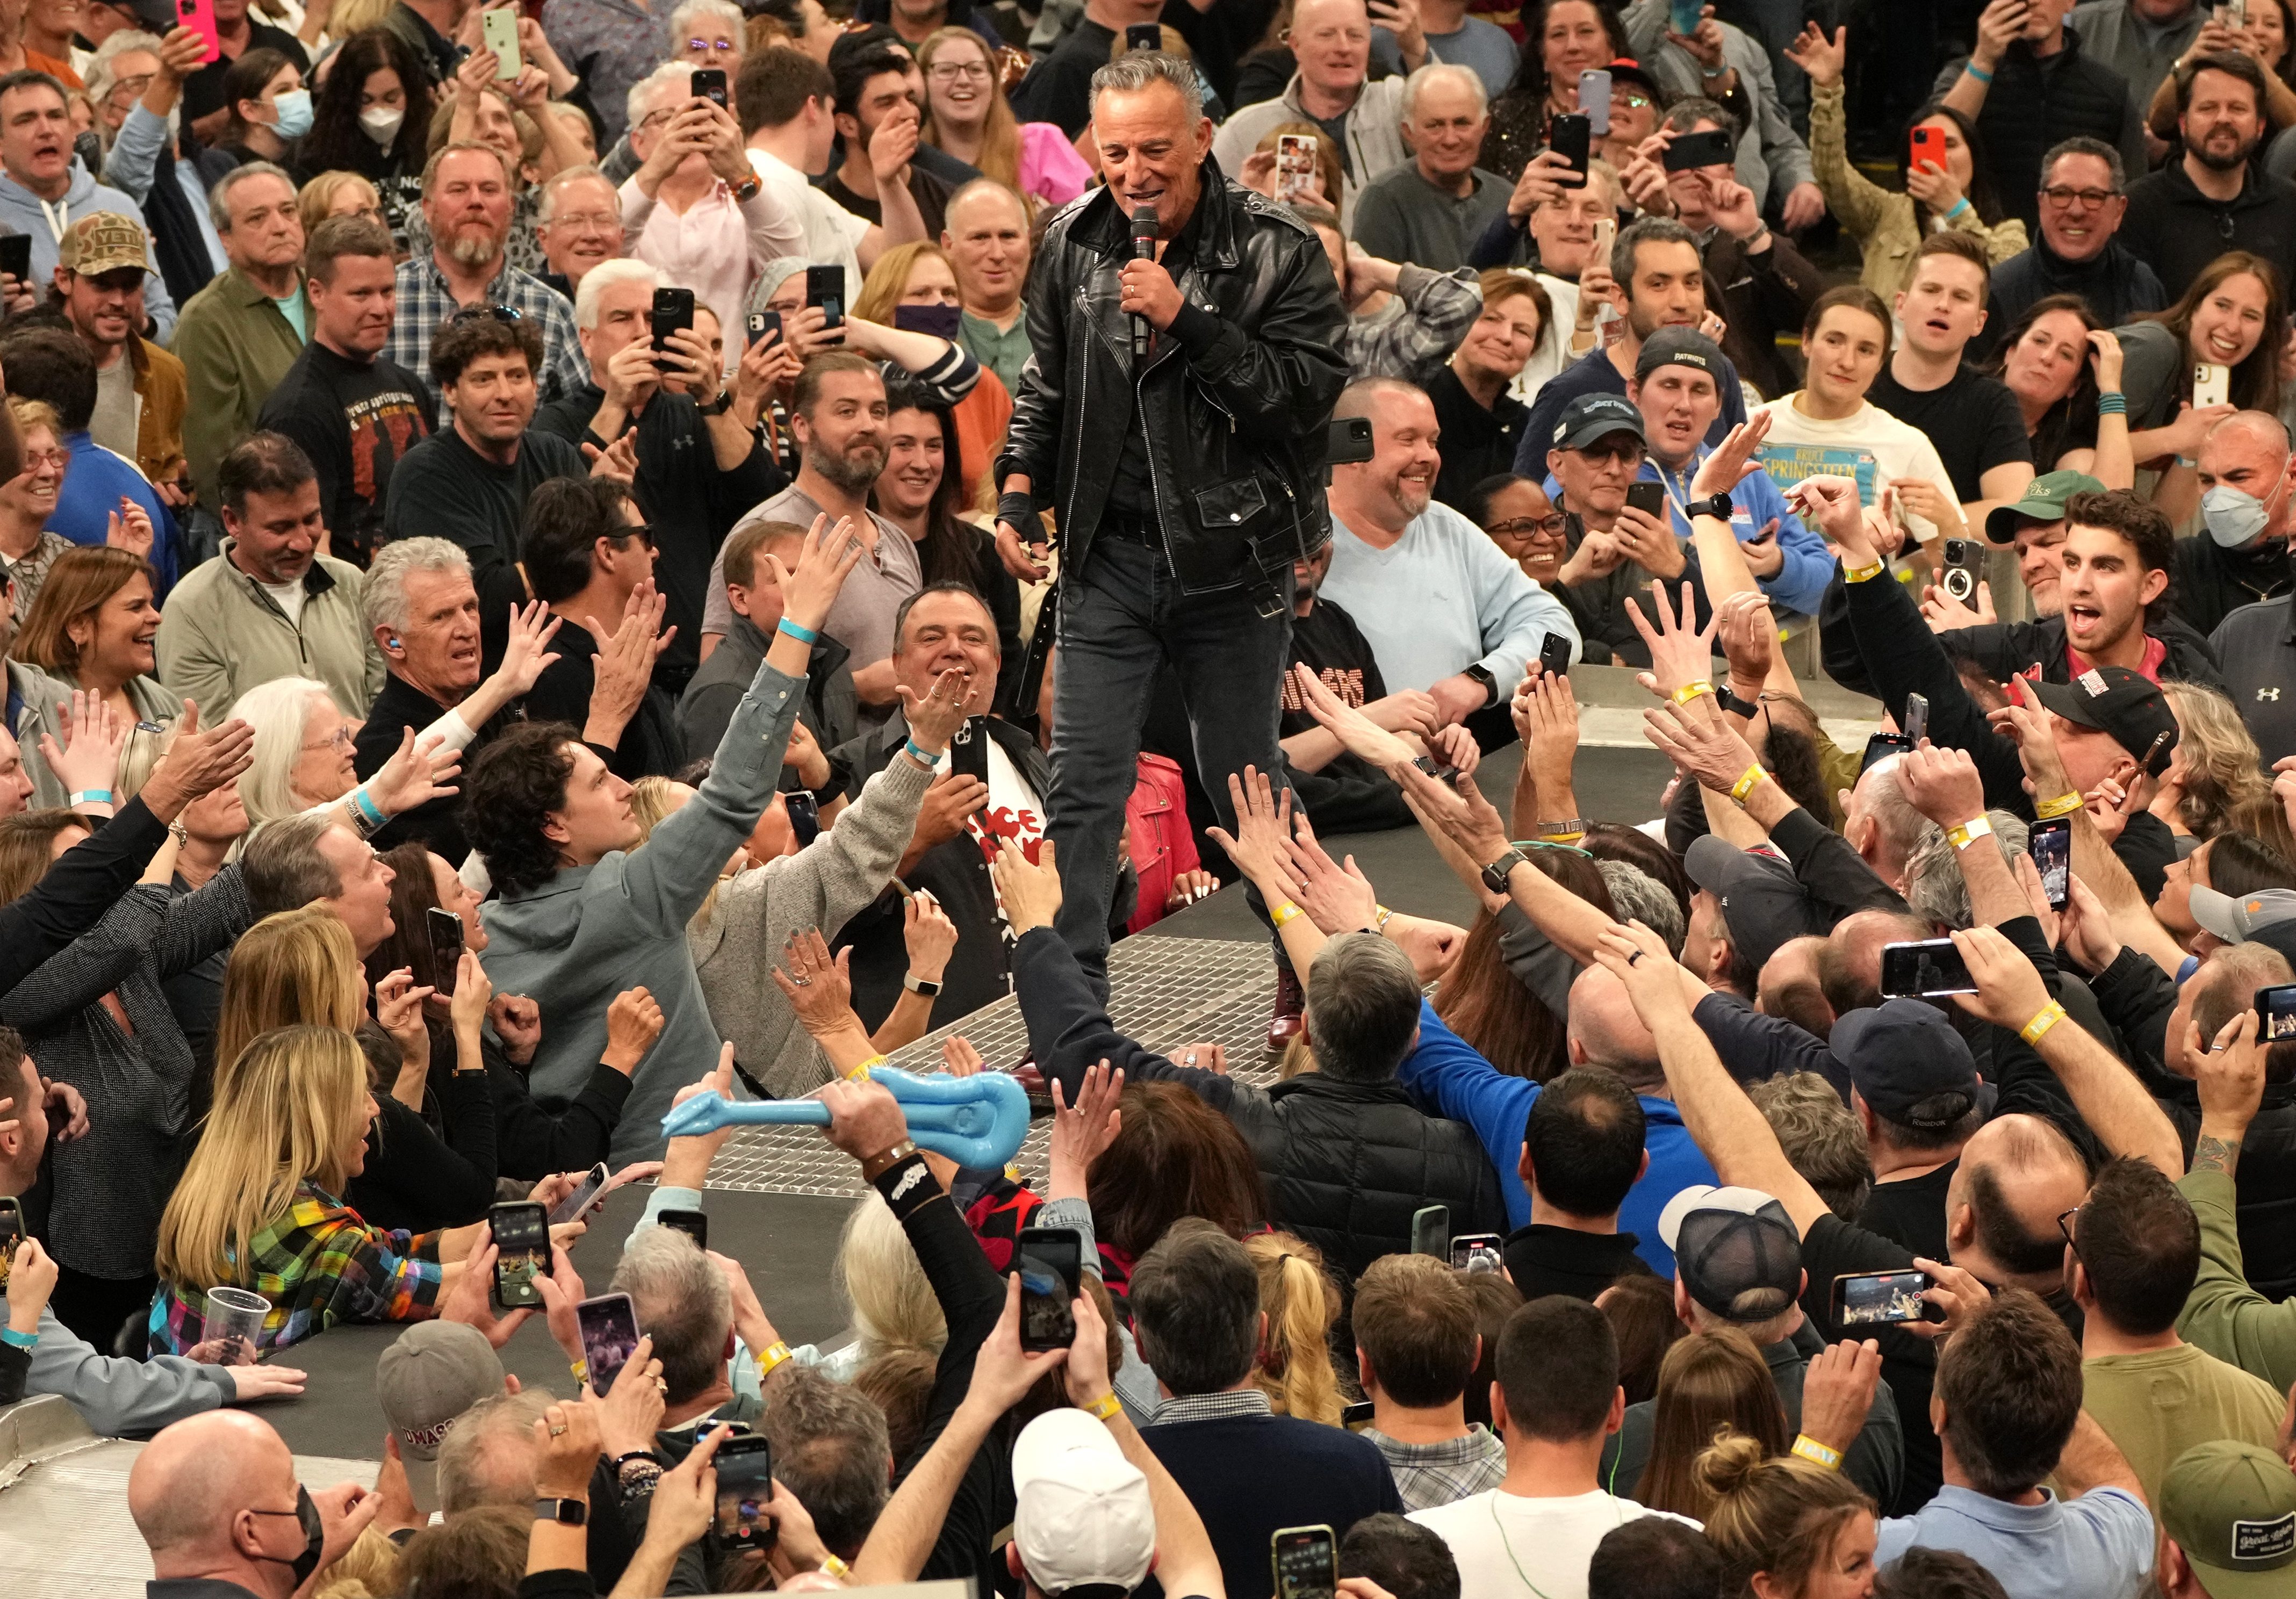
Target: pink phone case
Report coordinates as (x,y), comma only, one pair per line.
(199,16)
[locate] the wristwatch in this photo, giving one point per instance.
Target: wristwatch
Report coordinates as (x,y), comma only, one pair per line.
(721,405)
(1495,875)
(923,986)
(747,189)
(1718,506)
(566,1512)
(1483,675)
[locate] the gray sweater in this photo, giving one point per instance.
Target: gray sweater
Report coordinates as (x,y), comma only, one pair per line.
(592,931)
(820,886)
(116,1397)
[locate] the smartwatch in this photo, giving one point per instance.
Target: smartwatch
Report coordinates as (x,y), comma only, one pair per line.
(924,987)
(566,1512)
(1483,675)
(1495,876)
(1719,507)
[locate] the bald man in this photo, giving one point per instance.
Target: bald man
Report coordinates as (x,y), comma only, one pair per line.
(219,1505)
(985,234)
(2247,490)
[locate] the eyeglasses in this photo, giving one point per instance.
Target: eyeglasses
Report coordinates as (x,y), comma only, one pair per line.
(2090,199)
(1524,527)
(2065,1225)
(339,740)
(510,313)
(59,459)
(715,46)
(950,71)
(132,87)
(589,222)
(1633,99)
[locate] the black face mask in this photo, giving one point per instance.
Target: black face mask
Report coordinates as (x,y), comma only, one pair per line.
(315,1537)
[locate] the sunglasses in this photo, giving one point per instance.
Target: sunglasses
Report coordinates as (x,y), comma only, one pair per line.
(510,313)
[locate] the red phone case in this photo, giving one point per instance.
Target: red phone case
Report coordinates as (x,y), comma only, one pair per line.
(1928,145)
(199,16)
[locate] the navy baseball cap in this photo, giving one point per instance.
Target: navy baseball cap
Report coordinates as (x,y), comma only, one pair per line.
(1592,416)
(1680,346)
(1763,906)
(1906,1060)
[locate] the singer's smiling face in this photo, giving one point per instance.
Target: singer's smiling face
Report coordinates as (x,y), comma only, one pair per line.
(1151,152)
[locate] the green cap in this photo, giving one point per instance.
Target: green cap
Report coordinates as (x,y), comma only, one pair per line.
(2231,1509)
(2044,501)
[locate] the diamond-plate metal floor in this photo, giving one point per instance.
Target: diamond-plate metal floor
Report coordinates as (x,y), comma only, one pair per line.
(1167,991)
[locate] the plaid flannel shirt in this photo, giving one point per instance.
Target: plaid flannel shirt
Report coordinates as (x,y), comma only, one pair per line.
(1410,337)
(1443,1474)
(426,305)
(318,1264)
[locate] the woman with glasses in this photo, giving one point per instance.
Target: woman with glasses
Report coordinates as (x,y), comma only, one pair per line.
(27,549)
(370,117)
(1582,567)
(1889,226)
(967,117)
(708,33)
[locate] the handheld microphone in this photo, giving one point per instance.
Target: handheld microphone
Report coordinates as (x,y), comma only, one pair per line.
(1144,249)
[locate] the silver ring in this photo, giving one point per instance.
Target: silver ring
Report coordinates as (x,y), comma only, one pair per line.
(802,982)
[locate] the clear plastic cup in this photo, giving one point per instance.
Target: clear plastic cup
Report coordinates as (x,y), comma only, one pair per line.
(234,1329)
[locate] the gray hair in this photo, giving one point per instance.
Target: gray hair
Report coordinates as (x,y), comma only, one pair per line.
(724,10)
(278,711)
(683,1300)
(282,869)
(545,204)
(1649,230)
(383,598)
(2081,144)
(603,276)
(1903,829)
(1434,71)
(488,1456)
(1935,889)
(831,1449)
(1363,1007)
(1691,110)
(647,93)
(100,75)
(219,197)
(1136,70)
(1638,897)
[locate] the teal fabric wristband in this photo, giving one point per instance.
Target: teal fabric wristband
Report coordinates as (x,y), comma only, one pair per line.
(804,635)
(17,1340)
(1977,72)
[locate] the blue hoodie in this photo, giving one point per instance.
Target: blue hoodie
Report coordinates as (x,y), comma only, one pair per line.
(21,211)
(1800,583)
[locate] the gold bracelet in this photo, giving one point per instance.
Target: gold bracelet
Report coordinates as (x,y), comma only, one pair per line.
(1104,1407)
(770,1357)
(1691,691)
(1380,916)
(2049,1015)
(1746,785)
(1285,914)
(1863,574)
(1969,832)
(860,1073)
(2064,805)
(1816,1453)
(834,1567)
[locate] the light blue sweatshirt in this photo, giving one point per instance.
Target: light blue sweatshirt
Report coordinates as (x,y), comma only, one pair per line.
(22,211)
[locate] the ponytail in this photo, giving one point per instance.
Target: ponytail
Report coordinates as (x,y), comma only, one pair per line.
(1294,1368)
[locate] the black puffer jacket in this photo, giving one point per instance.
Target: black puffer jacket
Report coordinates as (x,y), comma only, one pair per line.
(1346,1163)
(1236,394)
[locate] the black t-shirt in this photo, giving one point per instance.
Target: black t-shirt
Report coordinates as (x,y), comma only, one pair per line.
(1058,88)
(931,193)
(1912,1212)
(203,89)
(1973,420)
(356,420)
(1833,1247)
(650,744)
(1327,641)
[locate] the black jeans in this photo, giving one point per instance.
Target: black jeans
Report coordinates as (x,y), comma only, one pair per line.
(1122,615)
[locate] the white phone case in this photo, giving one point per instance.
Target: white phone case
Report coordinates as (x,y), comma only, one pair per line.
(2211,385)
(500,24)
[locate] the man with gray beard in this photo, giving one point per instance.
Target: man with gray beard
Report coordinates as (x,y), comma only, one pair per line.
(467,201)
(837,414)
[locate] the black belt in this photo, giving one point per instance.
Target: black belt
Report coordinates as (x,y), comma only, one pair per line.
(1132,528)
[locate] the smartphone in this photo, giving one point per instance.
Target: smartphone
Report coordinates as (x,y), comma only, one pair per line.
(1916,720)
(2233,13)
(1650,499)
(825,286)
(1142,36)
(1572,136)
(672,312)
(1431,1232)
(1688,150)
(12,1233)
(1921,970)
(691,1223)
(609,1335)
(1050,1262)
(804,816)
(1925,144)
(1307,1563)
(1880,747)
(710,84)
(445,930)
(2276,1014)
(1348,441)
(942,322)
(16,256)
(1595,100)
(572,1207)
(498,26)
(1554,654)
(967,750)
(1606,239)
(1448,775)
(1357,1417)
(1476,1252)
(758,324)
(1877,1299)
(521,1235)
(2211,385)
(2051,845)
(745,1485)
(1683,16)
(1958,577)
(199,16)
(1295,167)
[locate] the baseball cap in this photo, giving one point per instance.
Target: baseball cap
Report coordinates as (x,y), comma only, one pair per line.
(1592,416)
(102,241)
(1625,68)
(1762,905)
(1738,1251)
(1679,347)
(434,1373)
(2237,921)
(156,16)
(2043,501)
(2116,700)
(2231,1509)
(1906,1060)
(1081,1516)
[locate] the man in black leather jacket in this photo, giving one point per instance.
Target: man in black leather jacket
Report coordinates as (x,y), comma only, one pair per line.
(1184,477)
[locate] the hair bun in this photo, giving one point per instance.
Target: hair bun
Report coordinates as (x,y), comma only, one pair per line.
(1727,1465)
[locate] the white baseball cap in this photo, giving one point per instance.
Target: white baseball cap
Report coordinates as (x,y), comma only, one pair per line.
(1082,1515)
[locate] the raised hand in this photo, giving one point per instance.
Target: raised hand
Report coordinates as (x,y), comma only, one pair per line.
(1946,614)
(1639,959)
(934,720)
(623,669)
(633,1020)
(1837,1392)
(419,771)
(1678,655)
(93,735)
(1030,891)
(1942,784)
(1260,846)
(827,555)
(1082,1130)
(1732,461)
(526,653)
(1708,747)
(1338,899)
(2009,992)
(1749,634)
(474,991)
(1357,734)
(199,761)
(129,529)
(819,989)
(1824,60)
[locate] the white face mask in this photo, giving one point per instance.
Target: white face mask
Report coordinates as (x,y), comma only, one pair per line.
(382,123)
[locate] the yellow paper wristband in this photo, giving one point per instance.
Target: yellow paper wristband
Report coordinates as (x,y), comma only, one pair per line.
(834,1567)
(1864,574)
(770,1357)
(2049,1016)
(2064,805)
(1969,832)
(1104,1407)
(1285,914)
(1691,691)
(860,1074)
(1816,1453)
(1745,785)
(581,1370)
